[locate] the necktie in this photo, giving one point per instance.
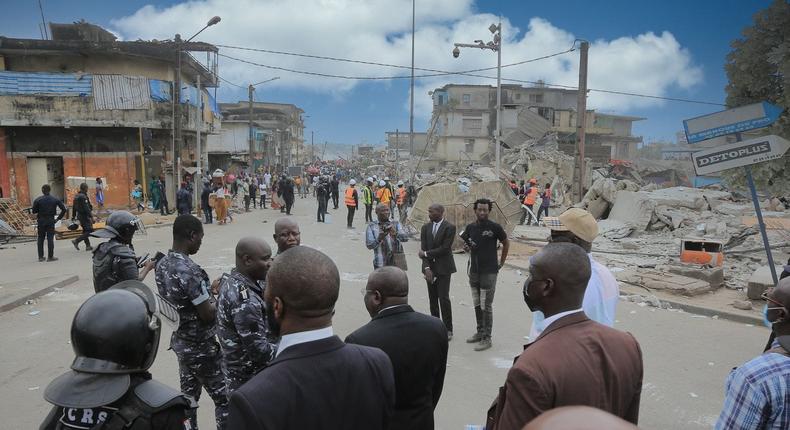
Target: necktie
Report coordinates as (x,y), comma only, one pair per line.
(435,228)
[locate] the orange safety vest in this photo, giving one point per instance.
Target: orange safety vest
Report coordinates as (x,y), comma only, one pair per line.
(350,197)
(384,195)
(531,196)
(401,196)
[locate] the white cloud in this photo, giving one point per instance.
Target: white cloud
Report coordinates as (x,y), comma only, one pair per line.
(379,30)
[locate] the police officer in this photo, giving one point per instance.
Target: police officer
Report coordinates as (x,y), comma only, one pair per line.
(186,285)
(45,208)
(115,336)
(114,261)
(82,210)
(242,328)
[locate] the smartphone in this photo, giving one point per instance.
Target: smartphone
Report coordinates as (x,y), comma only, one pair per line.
(158,256)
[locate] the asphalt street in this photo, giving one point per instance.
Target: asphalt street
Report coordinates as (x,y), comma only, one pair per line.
(686,357)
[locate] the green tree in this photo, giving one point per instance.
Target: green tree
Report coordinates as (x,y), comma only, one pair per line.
(758,69)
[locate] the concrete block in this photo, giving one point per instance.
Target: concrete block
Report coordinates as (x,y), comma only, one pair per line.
(712,275)
(760,281)
(598,207)
(657,280)
(634,208)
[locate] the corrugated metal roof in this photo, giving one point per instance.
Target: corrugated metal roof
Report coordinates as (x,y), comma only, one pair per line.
(62,84)
(121,92)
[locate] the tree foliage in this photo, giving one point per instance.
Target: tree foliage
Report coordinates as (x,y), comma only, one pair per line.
(758,69)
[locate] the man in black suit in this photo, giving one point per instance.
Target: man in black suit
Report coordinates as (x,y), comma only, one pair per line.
(416,344)
(436,243)
(315,381)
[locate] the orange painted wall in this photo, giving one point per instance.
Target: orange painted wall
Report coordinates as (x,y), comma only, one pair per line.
(119,172)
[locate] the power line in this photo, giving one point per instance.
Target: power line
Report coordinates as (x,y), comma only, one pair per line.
(465,73)
(373,63)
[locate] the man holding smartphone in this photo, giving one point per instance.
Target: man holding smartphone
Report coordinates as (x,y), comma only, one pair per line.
(114,261)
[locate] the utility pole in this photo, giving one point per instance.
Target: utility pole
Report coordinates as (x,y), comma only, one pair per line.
(411,93)
(498,44)
(312,148)
(397,155)
(177,120)
(581,112)
(198,181)
(250,89)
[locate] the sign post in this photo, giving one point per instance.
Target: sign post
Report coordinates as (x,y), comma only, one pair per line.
(741,153)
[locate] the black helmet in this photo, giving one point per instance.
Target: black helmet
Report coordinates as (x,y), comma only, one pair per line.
(120,224)
(115,331)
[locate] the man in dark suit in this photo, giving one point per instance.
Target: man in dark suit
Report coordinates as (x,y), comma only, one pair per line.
(438,264)
(416,344)
(315,381)
(575,361)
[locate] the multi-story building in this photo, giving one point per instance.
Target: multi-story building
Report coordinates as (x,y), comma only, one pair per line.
(277,132)
(465,118)
(84,105)
(400,140)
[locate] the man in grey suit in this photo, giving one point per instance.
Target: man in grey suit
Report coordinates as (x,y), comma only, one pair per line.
(315,381)
(438,265)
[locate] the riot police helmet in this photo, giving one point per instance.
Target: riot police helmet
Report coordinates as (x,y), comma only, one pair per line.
(121,225)
(116,331)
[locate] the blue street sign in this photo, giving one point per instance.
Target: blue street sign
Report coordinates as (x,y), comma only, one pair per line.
(731,121)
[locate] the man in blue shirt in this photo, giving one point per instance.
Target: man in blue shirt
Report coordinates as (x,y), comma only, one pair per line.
(757,392)
(384,237)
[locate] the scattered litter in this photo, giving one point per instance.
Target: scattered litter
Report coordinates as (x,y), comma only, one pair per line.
(34,313)
(632,312)
(710,363)
(693,395)
(33,388)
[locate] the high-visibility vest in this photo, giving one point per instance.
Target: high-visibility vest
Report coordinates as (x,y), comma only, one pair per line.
(401,195)
(384,195)
(350,197)
(531,196)
(367,195)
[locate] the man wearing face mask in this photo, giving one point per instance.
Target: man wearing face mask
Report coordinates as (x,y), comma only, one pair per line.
(315,381)
(241,327)
(757,392)
(579,227)
(575,361)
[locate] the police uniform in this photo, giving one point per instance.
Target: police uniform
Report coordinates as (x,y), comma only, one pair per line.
(242,330)
(115,335)
(147,404)
(113,262)
(45,208)
(183,283)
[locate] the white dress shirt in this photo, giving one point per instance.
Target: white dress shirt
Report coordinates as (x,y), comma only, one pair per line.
(435,227)
(303,337)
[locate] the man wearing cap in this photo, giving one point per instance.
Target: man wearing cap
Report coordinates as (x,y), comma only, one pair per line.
(600,298)
(389,186)
(367,199)
(384,195)
(352,202)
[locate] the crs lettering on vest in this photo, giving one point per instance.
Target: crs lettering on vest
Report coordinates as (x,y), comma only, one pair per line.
(75,418)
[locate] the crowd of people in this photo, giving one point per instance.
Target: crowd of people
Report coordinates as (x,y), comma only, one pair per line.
(259,339)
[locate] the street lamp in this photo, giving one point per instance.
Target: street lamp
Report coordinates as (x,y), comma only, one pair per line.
(176,145)
(250,90)
(494,45)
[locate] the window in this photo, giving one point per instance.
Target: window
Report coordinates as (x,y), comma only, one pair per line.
(472,126)
(517,96)
(466,98)
(536,98)
(469,146)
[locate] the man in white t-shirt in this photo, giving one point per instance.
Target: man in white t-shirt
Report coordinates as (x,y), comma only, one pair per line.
(600,298)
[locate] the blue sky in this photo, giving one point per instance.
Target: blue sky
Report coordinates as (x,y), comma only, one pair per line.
(670,48)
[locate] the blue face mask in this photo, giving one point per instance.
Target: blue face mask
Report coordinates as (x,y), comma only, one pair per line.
(767,323)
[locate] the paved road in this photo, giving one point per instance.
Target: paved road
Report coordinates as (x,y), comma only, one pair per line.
(686,357)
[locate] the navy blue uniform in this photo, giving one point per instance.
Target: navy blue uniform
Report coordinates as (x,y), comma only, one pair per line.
(45,207)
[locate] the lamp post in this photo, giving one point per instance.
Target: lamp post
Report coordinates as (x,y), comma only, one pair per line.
(176,144)
(250,91)
(494,45)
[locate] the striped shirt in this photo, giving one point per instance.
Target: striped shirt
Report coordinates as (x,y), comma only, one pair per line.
(758,394)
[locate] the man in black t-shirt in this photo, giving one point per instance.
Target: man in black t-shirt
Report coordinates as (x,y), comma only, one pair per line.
(480,240)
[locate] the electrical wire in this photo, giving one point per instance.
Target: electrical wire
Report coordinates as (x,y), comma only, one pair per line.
(373,63)
(446,73)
